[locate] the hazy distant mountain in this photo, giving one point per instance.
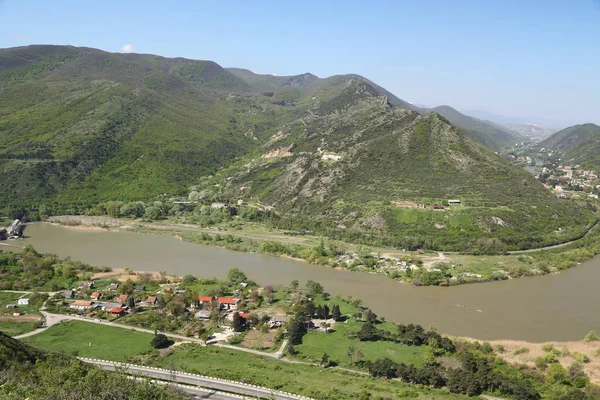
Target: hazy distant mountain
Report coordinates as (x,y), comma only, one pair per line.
(579,144)
(490,135)
(529,130)
(490,116)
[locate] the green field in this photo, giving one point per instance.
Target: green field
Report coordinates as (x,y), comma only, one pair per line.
(307,380)
(17,328)
(337,343)
(92,340)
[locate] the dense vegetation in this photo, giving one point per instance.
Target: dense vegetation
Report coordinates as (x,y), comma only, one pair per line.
(579,144)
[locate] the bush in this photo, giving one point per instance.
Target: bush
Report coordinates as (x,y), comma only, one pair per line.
(522,350)
(582,358)
(161,341)
(592,336)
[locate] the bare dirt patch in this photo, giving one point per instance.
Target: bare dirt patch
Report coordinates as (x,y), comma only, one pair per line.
(256,339)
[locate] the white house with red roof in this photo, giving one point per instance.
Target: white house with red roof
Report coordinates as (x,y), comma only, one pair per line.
(228,303)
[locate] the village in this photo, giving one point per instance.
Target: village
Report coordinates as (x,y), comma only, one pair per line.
(235,311)
(571,181)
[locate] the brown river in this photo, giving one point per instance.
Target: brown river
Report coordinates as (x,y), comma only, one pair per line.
(554,307)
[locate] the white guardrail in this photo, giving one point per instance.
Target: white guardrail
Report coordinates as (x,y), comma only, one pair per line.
(125,365)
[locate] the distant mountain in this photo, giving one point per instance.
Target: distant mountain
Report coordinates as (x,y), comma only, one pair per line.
(490,116)
(579,144)
(494,137)
(340,156)
(529,130)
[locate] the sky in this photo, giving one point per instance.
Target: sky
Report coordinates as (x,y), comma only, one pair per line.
(536,60)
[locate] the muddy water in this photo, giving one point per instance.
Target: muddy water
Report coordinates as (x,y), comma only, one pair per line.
(555,307)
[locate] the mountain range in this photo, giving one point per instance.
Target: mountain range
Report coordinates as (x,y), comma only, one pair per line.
(338,155)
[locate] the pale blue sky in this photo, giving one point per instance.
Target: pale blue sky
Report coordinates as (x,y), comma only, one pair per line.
(517,58)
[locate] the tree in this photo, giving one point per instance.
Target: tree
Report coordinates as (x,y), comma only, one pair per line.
(335,313)
(189,279)
(131,303)
(368,332)
(235,276)
(371,317)
(314,288)
(160,341)
(296,330)
(238,322)
(383,367)
(325,360)
(269,293)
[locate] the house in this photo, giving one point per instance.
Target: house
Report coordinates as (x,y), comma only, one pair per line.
(17,313)
(140,288)
(204,300)
(123,298)
(23,302)
(151,300)
(68,294)
(228,303)
(218,205)
(244,315)
(91,314)
(277,321)
(11,306)
(113,286)
(110,306)
(202,315)
(117,312)
(81,305)
(86,285)
(450,202)
(96,296)
(242,202)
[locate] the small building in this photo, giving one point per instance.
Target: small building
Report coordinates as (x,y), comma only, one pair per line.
(17,313)
(113,286)
(23,302)
(140,288)
(117,312)
(123,298)
(152,300)
(277,321)
(202,315)
(228,303)
(86,285)
(205,299)
(110,306)
(218,205)
(244,315)
(11,306)
(96,296)
(451,202)
(68,294)
(81,305)
(242,202)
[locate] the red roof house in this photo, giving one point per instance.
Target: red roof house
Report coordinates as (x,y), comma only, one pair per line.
(95,295)
(123,298)
(205,299)
(117,312)
(228,302)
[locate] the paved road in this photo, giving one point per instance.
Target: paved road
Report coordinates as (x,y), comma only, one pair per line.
(220,385)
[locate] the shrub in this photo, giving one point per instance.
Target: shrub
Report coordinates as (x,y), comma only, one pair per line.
(592,336)
(161,341)
(582,358)
(522,350)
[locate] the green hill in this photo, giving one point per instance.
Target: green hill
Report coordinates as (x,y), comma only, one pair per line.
(340,155)
(579,144)
(490,135)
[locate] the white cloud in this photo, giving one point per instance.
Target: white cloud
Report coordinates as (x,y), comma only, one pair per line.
(128,48)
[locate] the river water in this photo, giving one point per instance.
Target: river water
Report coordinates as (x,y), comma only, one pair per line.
(553,307)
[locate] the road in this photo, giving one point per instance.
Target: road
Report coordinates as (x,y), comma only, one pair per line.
(221,385)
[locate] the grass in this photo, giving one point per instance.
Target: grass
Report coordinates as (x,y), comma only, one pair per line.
(336,345)
(17,328)
(307,380)
(92,340)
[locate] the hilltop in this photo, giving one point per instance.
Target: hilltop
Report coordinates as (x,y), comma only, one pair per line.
(490,135)
(579,144)
(340,156)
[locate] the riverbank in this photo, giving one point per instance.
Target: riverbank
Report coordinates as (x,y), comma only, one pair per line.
(417,268)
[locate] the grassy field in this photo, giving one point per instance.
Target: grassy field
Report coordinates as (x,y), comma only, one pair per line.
(92,340)
(337,343)
(17,328)
(307,380)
